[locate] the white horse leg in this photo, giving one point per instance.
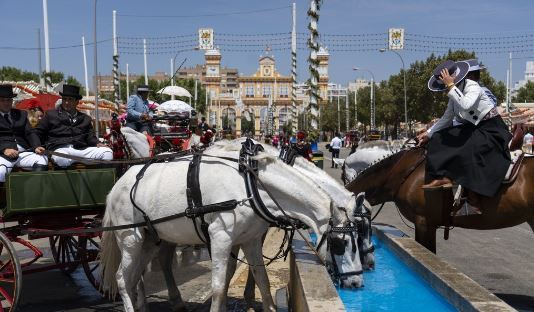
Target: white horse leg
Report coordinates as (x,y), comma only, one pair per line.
(250,288)
(136,253)
(166,257)
(232,264)
(253,253)
(221,246)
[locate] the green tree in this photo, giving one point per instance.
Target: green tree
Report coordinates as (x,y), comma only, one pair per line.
(8,73)
(525,93)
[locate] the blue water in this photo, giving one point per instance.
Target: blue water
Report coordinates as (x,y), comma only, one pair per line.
(392,286)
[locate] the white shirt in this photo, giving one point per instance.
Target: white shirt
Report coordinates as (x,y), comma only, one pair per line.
(470,105)
(336,143)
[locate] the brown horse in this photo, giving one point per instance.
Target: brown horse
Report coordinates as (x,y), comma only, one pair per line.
(399,178)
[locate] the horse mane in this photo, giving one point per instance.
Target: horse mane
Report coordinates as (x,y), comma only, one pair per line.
(372,144)
(386,161)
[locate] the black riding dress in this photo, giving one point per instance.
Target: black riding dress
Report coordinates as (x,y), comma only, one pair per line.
(475,156)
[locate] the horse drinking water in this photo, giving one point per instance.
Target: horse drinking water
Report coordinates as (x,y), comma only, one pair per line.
(126,252)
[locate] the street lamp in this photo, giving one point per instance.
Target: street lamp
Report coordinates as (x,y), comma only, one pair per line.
(372,95)
(404,78)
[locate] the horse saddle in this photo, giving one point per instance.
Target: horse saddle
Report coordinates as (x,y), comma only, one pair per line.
(517,158)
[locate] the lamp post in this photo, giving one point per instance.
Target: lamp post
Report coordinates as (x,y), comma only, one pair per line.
(372,95)
(405,99)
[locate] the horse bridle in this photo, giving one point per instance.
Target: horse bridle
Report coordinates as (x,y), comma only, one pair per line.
(361,232)
(337,246)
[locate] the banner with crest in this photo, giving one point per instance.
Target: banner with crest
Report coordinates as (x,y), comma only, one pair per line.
(396,38)
(205,38)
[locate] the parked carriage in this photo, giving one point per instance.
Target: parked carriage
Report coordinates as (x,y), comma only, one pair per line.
(66,206)
(42,205)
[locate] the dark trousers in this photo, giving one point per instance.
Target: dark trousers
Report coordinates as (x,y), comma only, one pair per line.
(335,154)
(139,126)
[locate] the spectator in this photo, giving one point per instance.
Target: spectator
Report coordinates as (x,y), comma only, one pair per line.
(19,145)
(68,131)
(335,145)
(139,113)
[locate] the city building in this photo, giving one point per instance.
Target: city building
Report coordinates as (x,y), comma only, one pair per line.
(358,84)
(266,93)
(529,76)
(105,82)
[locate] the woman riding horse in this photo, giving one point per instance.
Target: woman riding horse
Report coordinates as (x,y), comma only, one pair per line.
(469,144)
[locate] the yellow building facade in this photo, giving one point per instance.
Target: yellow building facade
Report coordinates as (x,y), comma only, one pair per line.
(246,108)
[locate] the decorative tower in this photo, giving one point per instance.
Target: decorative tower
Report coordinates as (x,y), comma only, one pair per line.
(313,14)
(322,58)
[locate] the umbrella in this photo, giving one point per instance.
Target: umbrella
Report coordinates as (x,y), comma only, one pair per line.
(175,90)
(44,101)
(174,106)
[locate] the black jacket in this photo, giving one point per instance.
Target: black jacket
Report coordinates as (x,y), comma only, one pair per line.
(58,128)
(19,132)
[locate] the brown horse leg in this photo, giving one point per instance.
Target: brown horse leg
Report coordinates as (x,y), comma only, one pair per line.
(425,232)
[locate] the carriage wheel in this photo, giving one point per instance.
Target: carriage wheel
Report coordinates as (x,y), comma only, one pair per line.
(10,275)
(65,251)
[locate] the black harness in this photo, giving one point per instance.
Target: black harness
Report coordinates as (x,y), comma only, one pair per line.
(335,245)
(194,198)
(249,167)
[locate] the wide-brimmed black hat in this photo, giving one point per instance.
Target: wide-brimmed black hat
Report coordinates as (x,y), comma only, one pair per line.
(475,65)
(457,69)
(143,88)
(71,91)
(6,91)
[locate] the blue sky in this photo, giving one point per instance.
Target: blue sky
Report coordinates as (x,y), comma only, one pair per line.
(70,19)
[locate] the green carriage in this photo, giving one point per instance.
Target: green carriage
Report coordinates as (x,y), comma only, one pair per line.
(39,204)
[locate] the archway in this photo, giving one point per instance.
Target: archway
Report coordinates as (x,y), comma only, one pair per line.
(247,122)
(283,118)
(228,119)
(263,120)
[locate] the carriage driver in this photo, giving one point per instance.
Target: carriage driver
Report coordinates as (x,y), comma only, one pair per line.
(68,131)
(138,111)
(469,144)
(19,145)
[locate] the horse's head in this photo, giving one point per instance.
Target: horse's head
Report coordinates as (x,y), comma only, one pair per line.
(341,250)
(366,248)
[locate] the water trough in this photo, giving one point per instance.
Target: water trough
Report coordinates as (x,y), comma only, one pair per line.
(407,278)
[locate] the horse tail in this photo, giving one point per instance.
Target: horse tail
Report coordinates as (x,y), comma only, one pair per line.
(110,255)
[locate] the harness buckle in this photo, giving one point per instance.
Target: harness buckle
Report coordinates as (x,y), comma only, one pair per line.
(190,213)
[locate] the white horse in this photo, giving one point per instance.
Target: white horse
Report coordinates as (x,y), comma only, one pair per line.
(138,146)
(340,196)
(366,154)
(125,253)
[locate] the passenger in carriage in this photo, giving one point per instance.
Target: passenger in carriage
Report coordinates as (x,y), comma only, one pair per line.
(19,145)
(68,131)
(469,143)
(138,111)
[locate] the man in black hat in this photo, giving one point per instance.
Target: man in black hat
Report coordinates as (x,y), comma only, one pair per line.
(68,131)
(19,145)
(139,114)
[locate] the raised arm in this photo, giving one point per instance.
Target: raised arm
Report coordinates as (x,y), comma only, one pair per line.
(468,98)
